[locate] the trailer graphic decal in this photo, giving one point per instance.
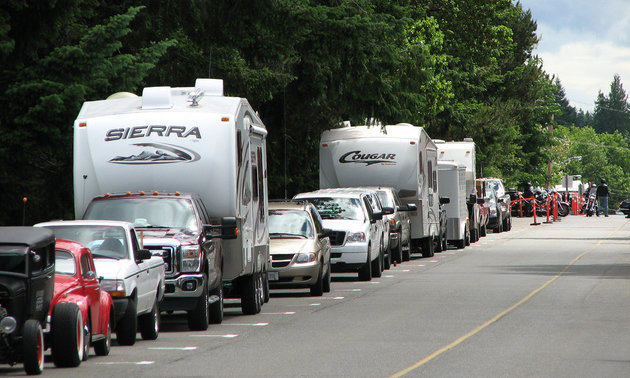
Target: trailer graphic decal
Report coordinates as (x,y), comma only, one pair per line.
(159,154)
(368,158)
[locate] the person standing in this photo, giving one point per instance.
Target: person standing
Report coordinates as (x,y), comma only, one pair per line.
(602,196)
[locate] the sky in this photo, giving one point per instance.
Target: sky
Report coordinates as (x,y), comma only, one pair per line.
(584,43)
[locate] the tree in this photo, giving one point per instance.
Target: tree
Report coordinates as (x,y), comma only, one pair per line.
(41,93)
(612,112)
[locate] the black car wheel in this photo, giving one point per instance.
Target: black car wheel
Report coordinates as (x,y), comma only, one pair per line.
(67,335)
(33,347)
(103,346)
(128,325)
(149,324)
(199,317)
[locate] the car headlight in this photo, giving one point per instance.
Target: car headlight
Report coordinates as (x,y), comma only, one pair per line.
(116,288)
(191,257)
(8,324)
(356,237)
(306,257)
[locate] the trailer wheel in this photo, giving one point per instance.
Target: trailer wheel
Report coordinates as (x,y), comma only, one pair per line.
(251,294)
(33,347)
(67,335)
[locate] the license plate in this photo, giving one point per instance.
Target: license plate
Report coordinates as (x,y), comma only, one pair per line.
(272,276)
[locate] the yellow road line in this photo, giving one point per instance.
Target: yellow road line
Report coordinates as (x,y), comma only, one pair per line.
(496,317)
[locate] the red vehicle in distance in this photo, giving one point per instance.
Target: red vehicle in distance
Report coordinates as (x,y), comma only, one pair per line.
(81,314)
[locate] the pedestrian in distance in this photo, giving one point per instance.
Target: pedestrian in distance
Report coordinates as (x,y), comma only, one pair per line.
(602,195)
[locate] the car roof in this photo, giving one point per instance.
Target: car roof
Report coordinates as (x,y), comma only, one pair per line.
(289,205)
(86,222)
(323,193)
(31,236)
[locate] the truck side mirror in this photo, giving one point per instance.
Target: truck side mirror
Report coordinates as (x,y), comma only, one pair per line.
(388,210)
(326,232)
(409,207)
(143,254)
(228,229)
(445,200)
(376,216)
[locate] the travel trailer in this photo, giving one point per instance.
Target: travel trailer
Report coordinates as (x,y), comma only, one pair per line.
(188,159)
(463,153)
(452,183)
(401,156)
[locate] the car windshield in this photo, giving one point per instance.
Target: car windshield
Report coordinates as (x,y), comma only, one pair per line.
(13,258)
(290,223)
(386,201)
(64,263)
(338,208)
(104,241)
(146,212)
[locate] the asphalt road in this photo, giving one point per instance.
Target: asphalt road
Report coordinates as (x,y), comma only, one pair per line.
(551,300)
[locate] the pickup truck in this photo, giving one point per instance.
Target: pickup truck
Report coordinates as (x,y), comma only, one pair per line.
(132,275)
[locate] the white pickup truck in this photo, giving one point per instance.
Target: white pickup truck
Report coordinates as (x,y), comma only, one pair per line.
(132,275)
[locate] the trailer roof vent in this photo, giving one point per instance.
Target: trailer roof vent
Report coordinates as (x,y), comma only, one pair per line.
(157,98)
(468,139)
(211,87)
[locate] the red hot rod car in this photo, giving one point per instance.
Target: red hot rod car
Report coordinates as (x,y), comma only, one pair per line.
(81,314)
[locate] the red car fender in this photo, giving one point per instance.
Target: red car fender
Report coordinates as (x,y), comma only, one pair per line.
(79,300)
(106,311)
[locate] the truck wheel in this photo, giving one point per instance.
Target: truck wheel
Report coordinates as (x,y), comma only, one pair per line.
(216,307)
(365,272)
(33,347)
(266,287)
(460,244)
(397,251)
(377,265)
(149,324)
(327,280)
(199,317)
(317,290)
(427,247)
(87,338)
(128,325)
(67,335)
(251,298)
(103,346)
(406,253)
(483,231)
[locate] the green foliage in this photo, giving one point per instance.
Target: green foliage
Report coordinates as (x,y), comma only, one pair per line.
(460,69)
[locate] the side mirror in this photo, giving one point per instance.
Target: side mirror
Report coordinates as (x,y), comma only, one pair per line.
(480,201)
(377,216)
(143,254)
(410,207)
(228,229)
(326,232)
(445,200)
(388,210)
(90,275)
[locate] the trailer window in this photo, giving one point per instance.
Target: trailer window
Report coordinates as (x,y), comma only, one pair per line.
(430,173)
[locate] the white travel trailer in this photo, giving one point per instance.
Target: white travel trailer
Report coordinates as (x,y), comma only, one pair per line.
(401,156)
(452,182)
(463,153)
(188,140)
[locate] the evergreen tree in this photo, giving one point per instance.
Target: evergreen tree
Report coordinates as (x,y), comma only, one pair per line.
(612,112)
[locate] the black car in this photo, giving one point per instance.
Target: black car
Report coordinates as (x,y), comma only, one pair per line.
(624,207)
(27,278)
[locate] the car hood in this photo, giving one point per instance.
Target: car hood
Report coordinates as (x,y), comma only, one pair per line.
(346,225)
(110,268)
(278,245)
